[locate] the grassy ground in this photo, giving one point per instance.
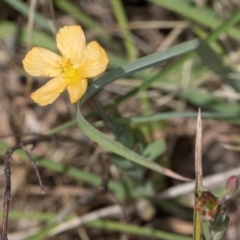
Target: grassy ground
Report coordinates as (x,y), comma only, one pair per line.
(95,188)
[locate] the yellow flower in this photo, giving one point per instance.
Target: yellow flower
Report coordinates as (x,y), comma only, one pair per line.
(69,71)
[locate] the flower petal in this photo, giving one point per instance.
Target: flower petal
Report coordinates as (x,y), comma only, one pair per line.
(49,92)
(77,89)
(42,62)
(71,43)
(94,61)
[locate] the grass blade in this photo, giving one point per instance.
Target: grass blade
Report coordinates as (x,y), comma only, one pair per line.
(121,17)
(119,149)
(138,65)
(24,9)
(123,71)
(203,16)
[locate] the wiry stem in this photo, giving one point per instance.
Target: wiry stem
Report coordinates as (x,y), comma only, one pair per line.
(7,194)
(198,178)
(7,170)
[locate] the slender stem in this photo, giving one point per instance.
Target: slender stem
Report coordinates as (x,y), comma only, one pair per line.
(198,172)
(7,172)
(7,194)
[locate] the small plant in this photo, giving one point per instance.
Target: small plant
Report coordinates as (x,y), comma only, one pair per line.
(107,147)
(210,218)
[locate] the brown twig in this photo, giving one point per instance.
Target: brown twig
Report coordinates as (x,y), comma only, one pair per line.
(36,171)
(7,193)
(7,171)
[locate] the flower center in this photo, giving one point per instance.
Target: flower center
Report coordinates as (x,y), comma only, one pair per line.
(71,73)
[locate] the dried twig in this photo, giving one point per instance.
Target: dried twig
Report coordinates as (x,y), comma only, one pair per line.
(7,171)
(198,173)
(7,194)
(36,171)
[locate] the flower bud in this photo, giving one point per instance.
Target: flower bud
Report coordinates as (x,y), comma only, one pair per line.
(232,184)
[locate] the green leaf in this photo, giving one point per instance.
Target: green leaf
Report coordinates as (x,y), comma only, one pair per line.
(121,72)
(118,148)
(206,225)
(154,150)
(221,230)
(138,65)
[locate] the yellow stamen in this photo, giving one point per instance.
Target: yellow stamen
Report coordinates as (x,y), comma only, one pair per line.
(70,72)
